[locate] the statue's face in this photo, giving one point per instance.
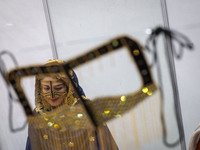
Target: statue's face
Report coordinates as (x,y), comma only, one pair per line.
(53,90)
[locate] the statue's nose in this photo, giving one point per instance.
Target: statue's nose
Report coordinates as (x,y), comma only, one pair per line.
(52,94)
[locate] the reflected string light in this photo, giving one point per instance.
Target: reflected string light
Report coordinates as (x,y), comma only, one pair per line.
(123,98)
(62,116)
(46,119)
(41,125)
(91,55)
(71,144)
(117,116)
(107,111)
(136,52)
(77,122)
(72,108)
(79,115)
(145,90)
(149,93)
(92,138)
(62,129)
(115,43)
(56,126)
(144,72)
(50,124)
(122,103)
(148,31)
(45,137)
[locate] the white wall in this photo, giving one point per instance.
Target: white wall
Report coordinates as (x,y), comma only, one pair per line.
(23,31)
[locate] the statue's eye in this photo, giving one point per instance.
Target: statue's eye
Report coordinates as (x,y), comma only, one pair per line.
(58,88)
(46,88)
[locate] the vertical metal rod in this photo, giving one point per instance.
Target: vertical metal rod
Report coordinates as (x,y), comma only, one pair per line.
(50,29)
(172,70)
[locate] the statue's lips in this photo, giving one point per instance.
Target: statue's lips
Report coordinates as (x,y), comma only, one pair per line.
(54,99)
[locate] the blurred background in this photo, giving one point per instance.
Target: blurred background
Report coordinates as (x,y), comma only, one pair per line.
(24,32)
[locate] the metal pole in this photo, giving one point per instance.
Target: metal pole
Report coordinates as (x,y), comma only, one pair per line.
(50,29)
(172,70)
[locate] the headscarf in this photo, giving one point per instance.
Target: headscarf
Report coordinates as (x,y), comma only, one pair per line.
(71,97)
